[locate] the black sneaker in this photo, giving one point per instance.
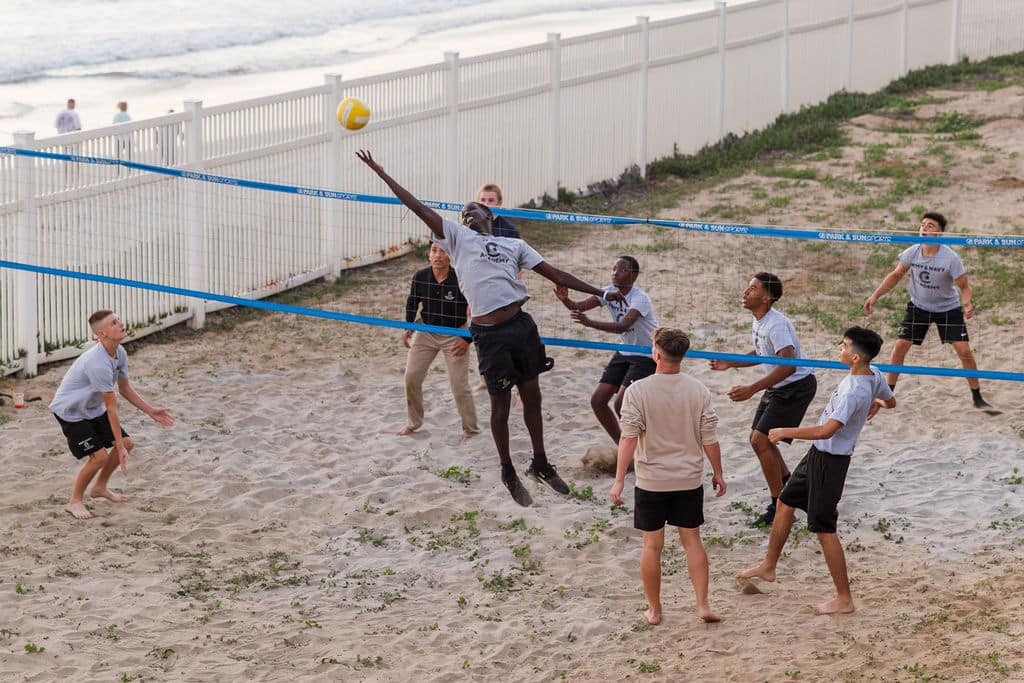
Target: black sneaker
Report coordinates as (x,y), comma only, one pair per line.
(516,488)
(546,473)
(767,518)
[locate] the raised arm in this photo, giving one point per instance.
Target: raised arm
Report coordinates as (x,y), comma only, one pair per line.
(888,282)
(425,213)
(562,292)
(564,279)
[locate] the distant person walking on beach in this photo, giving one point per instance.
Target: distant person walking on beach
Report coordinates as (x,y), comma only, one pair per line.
(86,408)
(435,294)
(122,113)
(936,273)
(124,140)
(67,120)
(508,344)
(668,421)
(788,389)
(633,319)
(817,482)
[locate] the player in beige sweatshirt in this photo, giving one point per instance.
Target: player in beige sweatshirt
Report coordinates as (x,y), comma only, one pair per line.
(668,422)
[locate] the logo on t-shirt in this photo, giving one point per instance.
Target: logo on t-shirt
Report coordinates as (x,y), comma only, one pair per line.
(494,254)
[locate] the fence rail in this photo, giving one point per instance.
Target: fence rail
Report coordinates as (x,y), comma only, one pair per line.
(562,113)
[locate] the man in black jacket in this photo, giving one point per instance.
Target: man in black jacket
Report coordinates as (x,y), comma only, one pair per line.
(435,294)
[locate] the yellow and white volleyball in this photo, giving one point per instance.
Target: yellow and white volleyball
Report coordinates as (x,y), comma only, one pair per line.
(352,114)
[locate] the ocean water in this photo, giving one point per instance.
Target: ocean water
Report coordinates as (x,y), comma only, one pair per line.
(157,54)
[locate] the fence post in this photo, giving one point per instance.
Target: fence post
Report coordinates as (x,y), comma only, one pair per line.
(555,53)
(197,229)
(849,39)
(26,250)
(333,238)
(785,57)
(644,104)
(720,5)
(453,125)
(904,37)
(954,49)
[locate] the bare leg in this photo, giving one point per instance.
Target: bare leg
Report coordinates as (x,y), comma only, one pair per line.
(899,354)
(99,489)
(599,403)
(529,391)
(500,406)
(772,464)
(650,573)
(776,541)
(76,504)
(963,350)
(836,561)
(697,565)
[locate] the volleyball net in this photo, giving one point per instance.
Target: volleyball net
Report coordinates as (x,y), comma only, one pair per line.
(160,244)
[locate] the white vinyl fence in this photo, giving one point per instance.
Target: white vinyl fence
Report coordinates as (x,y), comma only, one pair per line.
(562,113)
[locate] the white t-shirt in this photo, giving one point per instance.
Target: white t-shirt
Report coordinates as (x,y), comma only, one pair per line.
(68,121)
(849,404)
(79,395)
(487,266)
(933,278)
(641,333)
(772,333)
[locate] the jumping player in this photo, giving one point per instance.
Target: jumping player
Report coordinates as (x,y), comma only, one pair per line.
(508,344)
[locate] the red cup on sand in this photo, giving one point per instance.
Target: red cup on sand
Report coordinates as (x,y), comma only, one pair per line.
(19,399)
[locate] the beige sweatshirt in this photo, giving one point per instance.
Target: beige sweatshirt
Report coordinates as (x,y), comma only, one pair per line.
(672,416)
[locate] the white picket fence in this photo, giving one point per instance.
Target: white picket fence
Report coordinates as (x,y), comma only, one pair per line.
(562,113)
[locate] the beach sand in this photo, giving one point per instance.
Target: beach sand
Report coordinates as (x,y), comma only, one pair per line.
(280,531)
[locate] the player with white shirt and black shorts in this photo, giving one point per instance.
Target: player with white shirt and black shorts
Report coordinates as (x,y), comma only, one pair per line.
(508,344)
(633,319)
(937,272)
(817,482)
(788,389)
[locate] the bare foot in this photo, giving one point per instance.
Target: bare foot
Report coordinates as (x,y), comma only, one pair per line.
(466,436)
(761,571)
(405,431)
(108,494)
(480,387)
(707,616)
(78,511)
(834,606)
(653,617)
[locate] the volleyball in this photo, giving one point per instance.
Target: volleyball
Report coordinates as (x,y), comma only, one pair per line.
(352,114)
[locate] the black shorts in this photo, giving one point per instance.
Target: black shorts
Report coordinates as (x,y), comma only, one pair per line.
(916,322)
(784,406)
(623,370)
(510,352)
(88,436)
(815,487)
(652,510)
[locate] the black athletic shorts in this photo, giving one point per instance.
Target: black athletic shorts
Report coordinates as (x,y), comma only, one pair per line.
(815,487)
(784,406)
(88,436)
(916,322)
(510,352)
(623,370)
(652,510)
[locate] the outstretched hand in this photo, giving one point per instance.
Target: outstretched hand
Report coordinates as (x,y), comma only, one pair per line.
(365,156)
(579,317)
(562,292)
(163,416)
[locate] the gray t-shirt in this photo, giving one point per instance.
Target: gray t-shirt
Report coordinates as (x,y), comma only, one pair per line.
(774,332)
(79,395)
(643,329)
(933,278)
(487,266)
(849,404)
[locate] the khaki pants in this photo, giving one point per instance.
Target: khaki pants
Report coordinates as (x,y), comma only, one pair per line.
(422,351)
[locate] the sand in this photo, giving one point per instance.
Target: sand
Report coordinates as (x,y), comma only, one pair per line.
(281,531)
